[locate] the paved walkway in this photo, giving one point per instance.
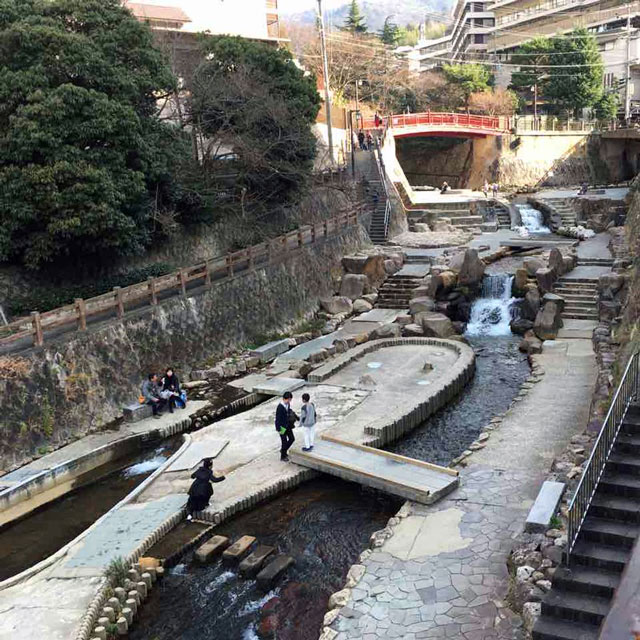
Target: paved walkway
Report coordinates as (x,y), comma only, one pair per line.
(443,574)
(614,193)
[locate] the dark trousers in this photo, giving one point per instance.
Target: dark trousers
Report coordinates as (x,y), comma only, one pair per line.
(157,407)
(287,438)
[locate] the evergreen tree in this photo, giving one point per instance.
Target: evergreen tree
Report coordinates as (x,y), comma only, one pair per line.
(355,20)
(390,33)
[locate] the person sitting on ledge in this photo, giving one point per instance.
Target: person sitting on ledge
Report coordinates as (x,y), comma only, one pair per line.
(444,188)
(171,389)
(151,395)
(201,491)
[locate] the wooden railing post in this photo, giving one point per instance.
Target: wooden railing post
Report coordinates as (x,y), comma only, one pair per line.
(207,274)
(300,238)
(313,233)
(119,302)
(152,291)
(229,260)
(249,258)
(38,336)
(183,282)
(81,310)
(325,228)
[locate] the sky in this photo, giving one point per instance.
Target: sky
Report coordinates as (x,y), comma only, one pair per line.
(294,6)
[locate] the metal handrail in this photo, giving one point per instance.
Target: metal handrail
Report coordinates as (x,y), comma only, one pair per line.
(626,393)
(383,174)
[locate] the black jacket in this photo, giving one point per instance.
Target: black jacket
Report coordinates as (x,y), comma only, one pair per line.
(283,417)
(171,383)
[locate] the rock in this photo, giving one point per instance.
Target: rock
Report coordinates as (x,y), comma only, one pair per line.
(531,611)
(568,264)
(339,599)
(390,330)
(391,267)
(552,297)
(268,627)
(371,298)
(533,559)
(353,286)
(403,320)
(330,617)
(532,265)
(472,269)
(545,585)
(459,326)
(443,225)
(328,634)
(435,325)
(556,262)
(520,282)
(611,282)
(531,343)
(412,330)
(548,322)
(442,283)
(553,553)
(422,304)
(371,266)
(362,306)
(531,304)
(342,346)
(545,278)
(355,575)
(524,573)
(520,326)
(337,304)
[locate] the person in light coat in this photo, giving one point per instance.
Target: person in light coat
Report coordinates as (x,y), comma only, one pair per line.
(308,421)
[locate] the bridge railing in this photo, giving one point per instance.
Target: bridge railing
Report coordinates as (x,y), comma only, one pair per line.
(437,118)
(115,303)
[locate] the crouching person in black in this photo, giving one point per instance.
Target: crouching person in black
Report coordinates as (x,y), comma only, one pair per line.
(201,491)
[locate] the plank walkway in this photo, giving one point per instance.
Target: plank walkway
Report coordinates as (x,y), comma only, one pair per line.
(405,477)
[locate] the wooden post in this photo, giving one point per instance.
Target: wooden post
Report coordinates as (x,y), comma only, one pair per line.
(81,310)
(230,264)
(183,282)
(38,336)
(119,302)
(152,291)
(249,258)
(285,243)
(300,239)
(207,274)
(325,228)
(313,233)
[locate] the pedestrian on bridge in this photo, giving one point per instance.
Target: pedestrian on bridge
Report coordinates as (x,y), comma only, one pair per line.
(285,423)
(361,140)
(308,422)
(369,141)
(485,189)
(494,188)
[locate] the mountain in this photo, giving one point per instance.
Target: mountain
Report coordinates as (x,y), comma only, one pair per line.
(375,12)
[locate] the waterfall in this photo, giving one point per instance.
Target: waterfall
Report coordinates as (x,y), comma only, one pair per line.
(532,220)
(2,316)
(491,315)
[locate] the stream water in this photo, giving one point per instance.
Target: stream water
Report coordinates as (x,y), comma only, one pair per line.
(22,543)
(324,524)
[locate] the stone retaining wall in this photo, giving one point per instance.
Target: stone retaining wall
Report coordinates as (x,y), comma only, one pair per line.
(75,385)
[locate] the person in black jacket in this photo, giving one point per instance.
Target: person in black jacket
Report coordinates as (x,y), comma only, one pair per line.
(285,422)
(201,490)
(171,388)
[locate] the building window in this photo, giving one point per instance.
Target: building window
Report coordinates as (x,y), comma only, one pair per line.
(478,38)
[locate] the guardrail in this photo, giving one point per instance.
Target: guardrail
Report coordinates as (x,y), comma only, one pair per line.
(437,118)
(626,393)
(147,293)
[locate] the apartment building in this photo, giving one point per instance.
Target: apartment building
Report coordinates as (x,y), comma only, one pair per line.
(493,30)
(254,19)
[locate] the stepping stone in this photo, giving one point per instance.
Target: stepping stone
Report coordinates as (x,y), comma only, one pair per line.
(212,548)
(273,571)
(250,566)
(238,549)
(544,507)
(271,350)
(278,386)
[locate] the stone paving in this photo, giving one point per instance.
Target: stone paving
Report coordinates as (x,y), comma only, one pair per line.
(443,572)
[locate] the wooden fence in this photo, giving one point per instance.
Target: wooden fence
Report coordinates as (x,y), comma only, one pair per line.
(115,303)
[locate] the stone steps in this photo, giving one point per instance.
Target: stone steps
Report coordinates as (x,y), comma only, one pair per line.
(595,262)
(396,292)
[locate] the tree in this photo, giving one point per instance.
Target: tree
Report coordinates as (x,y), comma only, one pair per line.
(468,78)
(354,22)
(390,34)
(534,56)
(497,102)
(606,108)
(83,157)
(255,108)
(576,74)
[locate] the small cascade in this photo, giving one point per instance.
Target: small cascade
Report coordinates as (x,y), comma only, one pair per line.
(532,220)
(491,314)
(2,316)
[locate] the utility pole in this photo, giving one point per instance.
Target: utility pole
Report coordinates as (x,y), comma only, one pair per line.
(627,92)
(325,68)
(357,105)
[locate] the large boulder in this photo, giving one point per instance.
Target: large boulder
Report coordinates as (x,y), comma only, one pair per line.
(472,269)
(552,297)
(390,330)
(548,322)
(520,282)
(435,325)
(391,267)
(412,330)
(442,283)
(531,343)
(443,225)
(371,266)
(546,278)
(362,306)
(337,304)
(556,261)
(419,305)
(353,285)
(532,265)
(520,326)
(530,305)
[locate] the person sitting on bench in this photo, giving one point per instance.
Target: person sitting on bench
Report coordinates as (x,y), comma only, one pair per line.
(151,395)
(171,389)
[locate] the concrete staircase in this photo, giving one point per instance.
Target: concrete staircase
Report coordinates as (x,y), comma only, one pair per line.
(502,215)
(396,292)
(458,212)
(595,262)
(566,211)
(580,295)
(378,202)
(581,594)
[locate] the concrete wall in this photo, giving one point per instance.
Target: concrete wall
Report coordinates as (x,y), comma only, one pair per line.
(54,394)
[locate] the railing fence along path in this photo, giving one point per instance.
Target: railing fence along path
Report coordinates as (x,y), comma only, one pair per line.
(626,393)
(147,293)
(438,118)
